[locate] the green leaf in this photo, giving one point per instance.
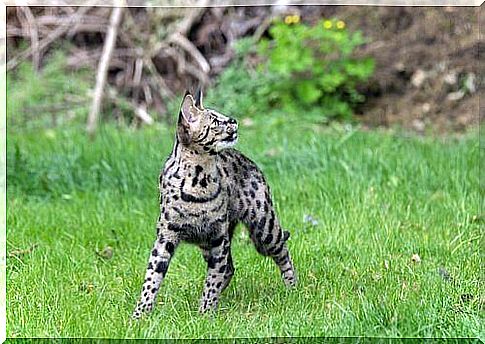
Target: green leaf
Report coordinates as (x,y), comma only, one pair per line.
(308,91)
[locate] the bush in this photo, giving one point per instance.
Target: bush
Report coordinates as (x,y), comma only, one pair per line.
(238,90)
(304,70)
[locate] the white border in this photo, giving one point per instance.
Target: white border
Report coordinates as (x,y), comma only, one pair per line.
(141,3)
(213,3)
(3,174)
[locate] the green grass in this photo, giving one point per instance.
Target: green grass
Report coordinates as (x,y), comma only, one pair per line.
(379,198)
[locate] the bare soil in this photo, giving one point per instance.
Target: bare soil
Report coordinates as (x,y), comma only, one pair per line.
(428,73)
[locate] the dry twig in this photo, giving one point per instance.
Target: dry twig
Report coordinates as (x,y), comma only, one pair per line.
(54,35)
(34,35)
(103,69)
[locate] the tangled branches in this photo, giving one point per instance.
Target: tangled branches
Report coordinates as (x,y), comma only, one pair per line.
(154,53)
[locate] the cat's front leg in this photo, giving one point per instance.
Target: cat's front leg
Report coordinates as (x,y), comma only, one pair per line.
(160,256)
(219,272)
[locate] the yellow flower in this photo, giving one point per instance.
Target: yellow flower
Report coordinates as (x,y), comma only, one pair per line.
(327,24)
(340,24)
(294,19)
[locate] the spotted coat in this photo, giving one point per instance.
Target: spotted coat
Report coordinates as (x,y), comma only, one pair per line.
(206,188)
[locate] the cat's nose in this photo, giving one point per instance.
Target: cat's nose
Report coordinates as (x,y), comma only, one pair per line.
(232,127)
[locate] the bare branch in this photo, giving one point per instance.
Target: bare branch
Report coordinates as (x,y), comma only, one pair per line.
(34,36)
(54,35)
(103,69)
(191,49)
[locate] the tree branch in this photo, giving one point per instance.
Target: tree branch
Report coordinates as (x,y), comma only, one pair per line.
(103,69)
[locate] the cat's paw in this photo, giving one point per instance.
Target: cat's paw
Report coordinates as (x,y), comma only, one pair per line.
(290,279)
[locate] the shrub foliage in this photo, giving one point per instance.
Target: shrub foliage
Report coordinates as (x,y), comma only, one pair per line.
(299,69)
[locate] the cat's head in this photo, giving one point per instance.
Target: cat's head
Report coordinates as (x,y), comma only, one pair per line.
(204,129)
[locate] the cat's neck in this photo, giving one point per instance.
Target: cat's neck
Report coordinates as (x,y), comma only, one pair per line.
(196,156)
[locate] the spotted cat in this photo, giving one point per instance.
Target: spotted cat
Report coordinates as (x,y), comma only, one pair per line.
(206,188)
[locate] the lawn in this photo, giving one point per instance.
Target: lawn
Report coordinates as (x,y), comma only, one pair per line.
(385,232)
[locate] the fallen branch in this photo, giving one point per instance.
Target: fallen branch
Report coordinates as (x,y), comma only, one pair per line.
(191,49)
(262,28)
(138,110)
(103,69)
(194,15)
(34,36)
(54,35)
(164,89)
(142,114)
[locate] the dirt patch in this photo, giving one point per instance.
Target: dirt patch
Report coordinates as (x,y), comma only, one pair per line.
(428,76)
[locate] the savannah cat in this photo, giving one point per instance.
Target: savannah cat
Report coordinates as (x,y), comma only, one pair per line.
(206,188)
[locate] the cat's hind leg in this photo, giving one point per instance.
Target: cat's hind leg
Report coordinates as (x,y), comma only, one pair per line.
(270,240)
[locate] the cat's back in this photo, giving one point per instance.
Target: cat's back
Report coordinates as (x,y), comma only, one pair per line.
(236,165)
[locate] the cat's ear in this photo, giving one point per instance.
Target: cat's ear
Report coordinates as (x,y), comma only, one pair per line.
(198,98)
(188,112)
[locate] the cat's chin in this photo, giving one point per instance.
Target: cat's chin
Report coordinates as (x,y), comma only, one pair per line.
(225,144)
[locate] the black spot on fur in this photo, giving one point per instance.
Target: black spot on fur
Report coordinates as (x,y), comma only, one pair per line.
(170,248)
(217,242)
(190,198)
(278,236)
(180,228)
(276,250)
(211,262)
(271,223)
(254,185)
(246,213)
(162,267)
(203,183)
(268,239)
